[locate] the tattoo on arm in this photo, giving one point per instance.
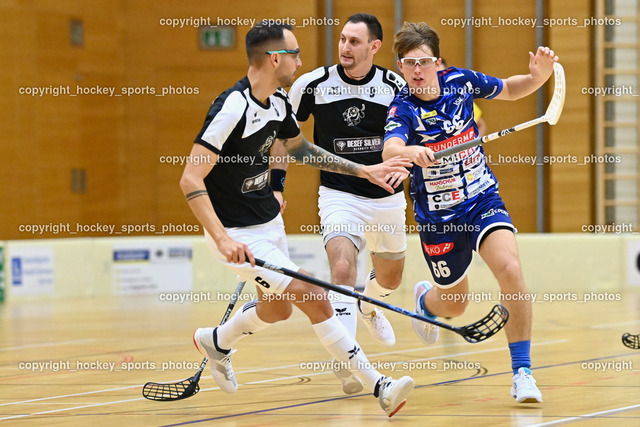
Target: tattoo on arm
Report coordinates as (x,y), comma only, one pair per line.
(312,155)
(195,194)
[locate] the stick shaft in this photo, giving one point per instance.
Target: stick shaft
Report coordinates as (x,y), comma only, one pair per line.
(353,294)
(551,115)
(483,139)
(232,303)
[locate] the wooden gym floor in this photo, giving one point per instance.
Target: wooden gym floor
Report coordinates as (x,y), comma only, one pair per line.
(84,361)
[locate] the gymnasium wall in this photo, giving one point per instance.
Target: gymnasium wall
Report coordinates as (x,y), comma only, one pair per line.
(182,267)
(92,164)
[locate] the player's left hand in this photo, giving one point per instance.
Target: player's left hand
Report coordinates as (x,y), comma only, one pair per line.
(395,178)
(280,198)
(541,64)
(388,174)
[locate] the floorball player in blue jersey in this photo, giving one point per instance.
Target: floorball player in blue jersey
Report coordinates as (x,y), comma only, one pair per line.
(456,200)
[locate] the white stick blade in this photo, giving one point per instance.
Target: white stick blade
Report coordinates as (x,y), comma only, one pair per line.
(554,110)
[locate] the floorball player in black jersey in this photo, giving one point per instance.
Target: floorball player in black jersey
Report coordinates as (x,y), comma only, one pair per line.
(233,200)
(349,104)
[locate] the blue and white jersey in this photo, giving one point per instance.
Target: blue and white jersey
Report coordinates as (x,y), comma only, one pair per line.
(451,188)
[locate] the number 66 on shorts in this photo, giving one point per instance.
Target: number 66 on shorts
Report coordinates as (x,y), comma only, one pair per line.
(448,246)
(440,269)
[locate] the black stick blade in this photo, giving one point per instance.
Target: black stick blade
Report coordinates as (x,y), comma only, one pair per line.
(170,391)
(486,327)
(631,341)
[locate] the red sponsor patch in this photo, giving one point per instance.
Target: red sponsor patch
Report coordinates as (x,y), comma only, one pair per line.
(439,249)
(392,112)
(468,135)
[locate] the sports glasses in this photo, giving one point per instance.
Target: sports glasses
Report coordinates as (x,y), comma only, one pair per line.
(294,52)
(424,62)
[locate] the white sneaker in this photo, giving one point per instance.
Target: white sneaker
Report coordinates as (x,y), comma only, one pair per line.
(378,326)
(220,363)
(524,388)
(392,394)
(350,383)
(427,332)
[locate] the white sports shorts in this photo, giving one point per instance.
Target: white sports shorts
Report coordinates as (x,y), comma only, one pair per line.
(379,222)
(267,242)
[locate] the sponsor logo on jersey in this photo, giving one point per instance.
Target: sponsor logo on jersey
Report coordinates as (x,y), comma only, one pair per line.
(468,135)
(458,157)
(391,126)
(473,174)
(357,145)
(445,200)
(392,112)
(353,115)
(425,115)
(492,212)
(443,184)
(473,160)
(479,186)
(439,249)
(255,183)
(435,171)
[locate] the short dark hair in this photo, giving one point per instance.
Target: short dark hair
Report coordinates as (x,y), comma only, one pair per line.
(263,37)
(412,36)
(373,25)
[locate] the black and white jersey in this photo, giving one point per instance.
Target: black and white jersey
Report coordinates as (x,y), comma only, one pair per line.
(349,116)
(241,130)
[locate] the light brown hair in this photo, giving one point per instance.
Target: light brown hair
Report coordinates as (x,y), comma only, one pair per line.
(413,35)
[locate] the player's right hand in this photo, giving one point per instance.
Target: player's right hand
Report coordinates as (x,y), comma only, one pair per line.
(235,252)
(423,157)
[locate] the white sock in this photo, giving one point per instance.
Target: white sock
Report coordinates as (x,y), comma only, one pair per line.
(344,308)
(244,322)
(335,338)
(373,290)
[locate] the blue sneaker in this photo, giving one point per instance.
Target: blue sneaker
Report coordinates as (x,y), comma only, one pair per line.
(427,332)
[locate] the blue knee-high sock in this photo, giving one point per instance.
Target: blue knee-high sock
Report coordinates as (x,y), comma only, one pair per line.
(520,355)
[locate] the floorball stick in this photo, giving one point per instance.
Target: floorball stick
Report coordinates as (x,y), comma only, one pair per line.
(551,116)
(189,387)
(473,332)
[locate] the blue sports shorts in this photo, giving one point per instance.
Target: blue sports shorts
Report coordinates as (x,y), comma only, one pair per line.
(448,246)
